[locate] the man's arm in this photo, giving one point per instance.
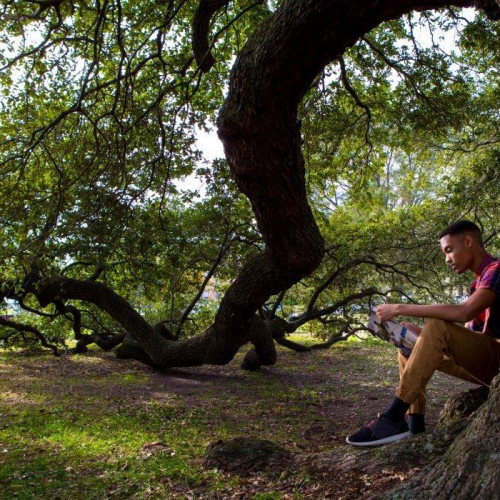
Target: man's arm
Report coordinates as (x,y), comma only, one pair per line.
(459,313)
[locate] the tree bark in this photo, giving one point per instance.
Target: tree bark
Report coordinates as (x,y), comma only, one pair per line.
(469,468)
(149,345)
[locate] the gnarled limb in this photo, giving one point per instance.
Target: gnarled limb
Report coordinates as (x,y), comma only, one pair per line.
(259,128)
(30,329)
(201,24)
(147,343)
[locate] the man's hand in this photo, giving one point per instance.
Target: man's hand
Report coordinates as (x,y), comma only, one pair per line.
(386,312)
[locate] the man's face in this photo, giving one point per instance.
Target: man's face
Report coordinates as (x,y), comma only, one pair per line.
(458,251)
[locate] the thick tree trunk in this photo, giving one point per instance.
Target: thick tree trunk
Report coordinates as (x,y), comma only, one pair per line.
(470,467)
(260,131)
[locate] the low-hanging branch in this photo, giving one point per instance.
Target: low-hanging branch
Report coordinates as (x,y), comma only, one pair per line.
(392,268)
(30,329)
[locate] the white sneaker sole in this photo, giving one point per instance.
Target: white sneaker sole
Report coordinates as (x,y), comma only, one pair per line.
(379,442)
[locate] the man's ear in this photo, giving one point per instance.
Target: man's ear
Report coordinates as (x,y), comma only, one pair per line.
(469,241)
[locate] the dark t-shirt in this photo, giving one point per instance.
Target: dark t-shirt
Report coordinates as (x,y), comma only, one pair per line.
(488,321)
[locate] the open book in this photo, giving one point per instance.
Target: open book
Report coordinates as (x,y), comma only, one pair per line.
(393,332)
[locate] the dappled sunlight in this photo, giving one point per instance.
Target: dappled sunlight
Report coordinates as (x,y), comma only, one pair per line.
(93,422)
(11,398)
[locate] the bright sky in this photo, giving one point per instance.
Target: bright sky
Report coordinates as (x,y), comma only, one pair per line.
(210,144)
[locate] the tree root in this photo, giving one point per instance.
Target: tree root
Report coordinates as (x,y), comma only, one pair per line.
(459,421)
(469,468)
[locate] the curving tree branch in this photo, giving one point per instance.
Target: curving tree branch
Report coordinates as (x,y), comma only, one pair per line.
(30,329)
(201,25)
(358,101)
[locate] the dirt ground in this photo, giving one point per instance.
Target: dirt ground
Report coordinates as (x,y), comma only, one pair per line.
(306,403)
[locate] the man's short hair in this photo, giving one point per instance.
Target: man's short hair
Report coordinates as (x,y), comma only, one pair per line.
(462,227)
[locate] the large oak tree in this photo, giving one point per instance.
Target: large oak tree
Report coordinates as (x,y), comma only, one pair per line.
(258,125)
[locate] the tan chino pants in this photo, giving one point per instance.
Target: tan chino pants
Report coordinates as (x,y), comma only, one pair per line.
(451,349)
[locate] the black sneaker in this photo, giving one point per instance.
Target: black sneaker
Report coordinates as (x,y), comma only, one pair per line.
(380,431)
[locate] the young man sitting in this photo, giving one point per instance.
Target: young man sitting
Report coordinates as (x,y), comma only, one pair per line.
(471,352)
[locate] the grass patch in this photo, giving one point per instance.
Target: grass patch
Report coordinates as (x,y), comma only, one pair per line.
(63,451)
(96,427)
